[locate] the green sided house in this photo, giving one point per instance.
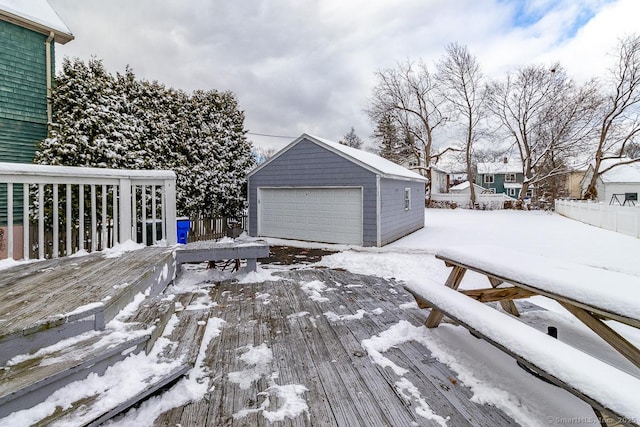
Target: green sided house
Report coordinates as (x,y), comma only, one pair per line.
(503,177)
(28,33)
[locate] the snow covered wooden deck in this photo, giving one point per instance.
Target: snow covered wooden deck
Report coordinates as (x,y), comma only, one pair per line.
(304,349)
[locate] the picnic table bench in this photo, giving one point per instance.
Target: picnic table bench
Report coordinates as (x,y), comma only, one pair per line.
(593,295)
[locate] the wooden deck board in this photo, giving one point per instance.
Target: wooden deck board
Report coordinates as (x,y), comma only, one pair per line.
(78,282)
(344,386)
(60,298)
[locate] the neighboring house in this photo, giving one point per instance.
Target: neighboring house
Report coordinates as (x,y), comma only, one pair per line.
(464,188)
(573,184)
(504,177)
(319,190)
(620,183)
(29,30)
(439,180)
(439,177)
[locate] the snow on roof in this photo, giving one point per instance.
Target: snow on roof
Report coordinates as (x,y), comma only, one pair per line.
(623,173)
(500,167)
(363,158)
(382,165)
(461,186)
(37,15)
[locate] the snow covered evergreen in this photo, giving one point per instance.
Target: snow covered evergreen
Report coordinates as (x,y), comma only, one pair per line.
(118,121)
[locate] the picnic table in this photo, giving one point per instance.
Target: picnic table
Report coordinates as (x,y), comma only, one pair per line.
(593,295)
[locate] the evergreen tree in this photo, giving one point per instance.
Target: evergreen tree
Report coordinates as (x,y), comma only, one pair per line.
(351,139)
(120,122)
(391,146)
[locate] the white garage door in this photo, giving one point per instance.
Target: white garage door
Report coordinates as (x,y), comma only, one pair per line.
(332,215)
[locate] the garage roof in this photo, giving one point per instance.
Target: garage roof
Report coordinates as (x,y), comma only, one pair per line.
(369,161)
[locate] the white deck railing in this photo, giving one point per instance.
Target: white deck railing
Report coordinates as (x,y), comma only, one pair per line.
(622,219)
(83,208)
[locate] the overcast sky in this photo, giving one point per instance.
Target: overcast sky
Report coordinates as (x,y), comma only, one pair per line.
(301,66)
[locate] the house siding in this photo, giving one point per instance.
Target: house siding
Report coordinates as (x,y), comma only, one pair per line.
(499,180)
(23,91)
(308,165)
(395,221)
(23,100)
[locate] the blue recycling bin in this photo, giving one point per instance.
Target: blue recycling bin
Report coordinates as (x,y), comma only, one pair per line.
(183,225)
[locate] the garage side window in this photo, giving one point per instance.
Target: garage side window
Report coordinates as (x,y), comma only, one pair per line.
(407,199)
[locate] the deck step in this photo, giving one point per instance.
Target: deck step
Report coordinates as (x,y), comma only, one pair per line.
(29,379)
(74,295)
(178,352)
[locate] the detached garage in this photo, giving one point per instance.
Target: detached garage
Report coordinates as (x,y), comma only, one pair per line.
(322,191)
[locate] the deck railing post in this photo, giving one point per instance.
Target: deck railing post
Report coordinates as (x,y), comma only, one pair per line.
(124,230)
(169,214)
(10,220)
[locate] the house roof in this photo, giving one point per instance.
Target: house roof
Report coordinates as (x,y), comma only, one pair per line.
(369,161)
(36,15)
(500,167)
(627,173)
(463,186)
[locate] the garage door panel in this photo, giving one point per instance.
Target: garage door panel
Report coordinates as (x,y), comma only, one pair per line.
(331,215)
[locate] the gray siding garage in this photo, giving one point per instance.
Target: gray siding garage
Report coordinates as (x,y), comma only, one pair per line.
(318,190)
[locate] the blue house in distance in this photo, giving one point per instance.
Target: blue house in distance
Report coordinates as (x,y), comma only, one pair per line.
(319,190)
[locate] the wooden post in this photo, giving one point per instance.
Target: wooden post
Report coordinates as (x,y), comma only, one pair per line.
(56,223)
(455,277)
(124,230)
(614,339)
(169,214)
(507,305)
(25,222)
(10,220)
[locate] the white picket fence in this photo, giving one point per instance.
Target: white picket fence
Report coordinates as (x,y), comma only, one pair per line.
(101,207)
(484,201)
(622,219)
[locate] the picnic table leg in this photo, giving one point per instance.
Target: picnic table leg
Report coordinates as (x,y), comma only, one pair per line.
(251,264)
(614,339)
(507,305)
(453,281)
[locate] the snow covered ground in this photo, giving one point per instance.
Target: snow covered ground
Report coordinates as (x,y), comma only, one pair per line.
(493,377)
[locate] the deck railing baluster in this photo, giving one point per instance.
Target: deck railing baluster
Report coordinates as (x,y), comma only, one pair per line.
(143,213)
(25,221)
(69,244)
(103,229)
(94,228)
(10,219)
(81,246)
(153,214)
(56,225)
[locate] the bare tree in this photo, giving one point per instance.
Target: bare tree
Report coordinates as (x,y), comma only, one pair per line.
(620,114)
(461,83)
(546,117)
(407,94)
